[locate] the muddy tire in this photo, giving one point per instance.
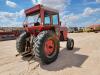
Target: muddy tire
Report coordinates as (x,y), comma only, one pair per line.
(70,44)
(46,48)
(21,43)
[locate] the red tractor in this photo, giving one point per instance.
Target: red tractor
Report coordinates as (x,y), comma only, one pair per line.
(42,35)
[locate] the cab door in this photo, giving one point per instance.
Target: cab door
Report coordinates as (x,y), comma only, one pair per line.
(51,19)
(56,23)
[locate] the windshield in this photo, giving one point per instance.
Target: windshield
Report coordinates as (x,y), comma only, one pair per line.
(32,20)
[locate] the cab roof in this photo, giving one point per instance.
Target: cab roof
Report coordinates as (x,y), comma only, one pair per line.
(37,8)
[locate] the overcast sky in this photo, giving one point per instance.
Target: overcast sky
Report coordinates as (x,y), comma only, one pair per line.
(72,12)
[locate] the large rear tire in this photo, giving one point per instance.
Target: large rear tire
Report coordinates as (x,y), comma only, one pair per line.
(21,43)
(46,48)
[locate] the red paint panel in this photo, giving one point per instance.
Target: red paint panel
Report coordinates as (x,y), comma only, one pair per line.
(32,10)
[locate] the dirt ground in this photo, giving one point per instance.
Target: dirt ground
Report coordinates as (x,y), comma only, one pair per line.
(83,60)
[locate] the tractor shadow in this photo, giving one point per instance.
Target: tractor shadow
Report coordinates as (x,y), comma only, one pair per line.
(66,59)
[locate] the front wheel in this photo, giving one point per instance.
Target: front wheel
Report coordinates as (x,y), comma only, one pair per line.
(70,44)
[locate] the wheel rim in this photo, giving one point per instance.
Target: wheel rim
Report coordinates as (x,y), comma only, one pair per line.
(49,47)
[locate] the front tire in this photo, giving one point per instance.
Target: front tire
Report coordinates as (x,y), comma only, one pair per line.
(46,48)
(70,44)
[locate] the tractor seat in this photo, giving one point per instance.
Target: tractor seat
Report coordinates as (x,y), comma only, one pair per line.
(36,24)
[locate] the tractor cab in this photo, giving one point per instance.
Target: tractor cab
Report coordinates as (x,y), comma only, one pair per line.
(41,18)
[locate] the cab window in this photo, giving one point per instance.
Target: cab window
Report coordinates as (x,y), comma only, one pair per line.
(55,19)
(47,19)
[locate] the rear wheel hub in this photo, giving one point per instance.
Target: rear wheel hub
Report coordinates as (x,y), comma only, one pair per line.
(49,47)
